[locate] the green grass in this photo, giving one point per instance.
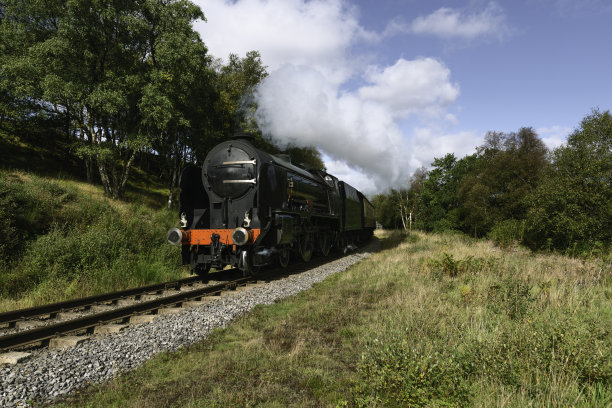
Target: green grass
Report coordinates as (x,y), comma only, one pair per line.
(431,321)
(62,239)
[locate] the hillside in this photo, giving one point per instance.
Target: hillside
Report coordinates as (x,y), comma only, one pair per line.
(62,238)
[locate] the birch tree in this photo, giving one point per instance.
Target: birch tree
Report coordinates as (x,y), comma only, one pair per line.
(111,66)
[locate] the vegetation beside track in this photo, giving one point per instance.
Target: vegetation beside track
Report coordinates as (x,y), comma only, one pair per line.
(62,239)
(432,320)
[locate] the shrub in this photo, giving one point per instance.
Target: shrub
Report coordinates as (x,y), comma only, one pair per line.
(28,208)
(396,372)
(507,233)
(68,241)
(449,266)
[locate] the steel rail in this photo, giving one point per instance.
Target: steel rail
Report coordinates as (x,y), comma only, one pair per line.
(13,316)
(87,323)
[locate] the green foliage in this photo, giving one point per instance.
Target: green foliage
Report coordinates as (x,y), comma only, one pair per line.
(514,192)
(511,296)
(572,207)
(447,265)
(387,210)
(25,206)
(439,201)
(394,372)
(56,241)
(508,168)
(507,233)
(236,82)
(118,75)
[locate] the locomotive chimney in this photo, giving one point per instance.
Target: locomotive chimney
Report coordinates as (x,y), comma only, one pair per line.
(248,137)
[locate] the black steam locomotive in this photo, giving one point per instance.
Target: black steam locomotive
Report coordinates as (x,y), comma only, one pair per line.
(247,208)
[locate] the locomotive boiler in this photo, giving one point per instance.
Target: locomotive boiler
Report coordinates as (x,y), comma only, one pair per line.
(247,208)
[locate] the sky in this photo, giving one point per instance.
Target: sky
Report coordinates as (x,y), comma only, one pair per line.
(382,87)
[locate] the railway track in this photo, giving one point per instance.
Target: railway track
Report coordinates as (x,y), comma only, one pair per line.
(187,289)
(11,318)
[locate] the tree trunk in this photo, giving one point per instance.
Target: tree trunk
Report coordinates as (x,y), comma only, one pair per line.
(172,184)
(120,184)
(174,176)
(108,189)
(89,168)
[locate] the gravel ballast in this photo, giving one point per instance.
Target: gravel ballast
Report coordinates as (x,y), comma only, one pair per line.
(49,374)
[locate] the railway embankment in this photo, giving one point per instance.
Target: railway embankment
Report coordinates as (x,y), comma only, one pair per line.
(62,239)
(430,320)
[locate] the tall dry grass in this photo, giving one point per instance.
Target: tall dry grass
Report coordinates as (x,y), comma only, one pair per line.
(432,320)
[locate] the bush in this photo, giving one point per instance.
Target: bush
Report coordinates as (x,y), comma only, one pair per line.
(68,242)
(396,372)
(447,265)
(572,206)
(507,233)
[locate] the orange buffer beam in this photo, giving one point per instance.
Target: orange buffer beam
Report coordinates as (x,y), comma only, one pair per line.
(204,236)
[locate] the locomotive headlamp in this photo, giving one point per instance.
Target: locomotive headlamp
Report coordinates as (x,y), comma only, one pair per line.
(175,236)
(240,236)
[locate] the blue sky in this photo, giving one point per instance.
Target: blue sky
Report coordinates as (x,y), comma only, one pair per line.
(382,87)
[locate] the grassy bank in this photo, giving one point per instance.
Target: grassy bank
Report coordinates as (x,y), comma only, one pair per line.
(63,239)
(432,320)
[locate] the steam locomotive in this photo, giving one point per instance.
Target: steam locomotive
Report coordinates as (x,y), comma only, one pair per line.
(247,208)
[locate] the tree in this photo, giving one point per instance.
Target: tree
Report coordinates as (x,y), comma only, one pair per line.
(386,210)
(439,204)
(573,203)
(115,69)
(235,83)
(506,170)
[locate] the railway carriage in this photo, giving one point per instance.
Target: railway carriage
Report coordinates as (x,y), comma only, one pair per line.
(247,208)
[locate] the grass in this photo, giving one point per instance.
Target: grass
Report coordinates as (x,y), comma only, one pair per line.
(430,321)
(62,239)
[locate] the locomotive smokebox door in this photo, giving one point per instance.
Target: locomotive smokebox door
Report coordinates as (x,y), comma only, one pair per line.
(231,172)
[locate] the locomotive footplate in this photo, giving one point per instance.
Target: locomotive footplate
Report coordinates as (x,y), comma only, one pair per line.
(217,247)
(204,236)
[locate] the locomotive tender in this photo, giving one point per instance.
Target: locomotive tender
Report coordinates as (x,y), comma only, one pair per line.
(248,208)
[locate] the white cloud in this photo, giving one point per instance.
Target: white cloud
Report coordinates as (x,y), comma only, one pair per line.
(554,136)
(429,143)
(451,23)
(315,33)
(421,85)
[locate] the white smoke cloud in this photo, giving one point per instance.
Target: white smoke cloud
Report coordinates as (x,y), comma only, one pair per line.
(298,105)
(408,87)
(372,136)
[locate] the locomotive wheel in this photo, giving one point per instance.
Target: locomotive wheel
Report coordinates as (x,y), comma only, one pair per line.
(324,244)
(306,248)
(284,256)
(247,264)
(201,270)
(340,243)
